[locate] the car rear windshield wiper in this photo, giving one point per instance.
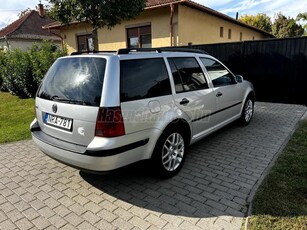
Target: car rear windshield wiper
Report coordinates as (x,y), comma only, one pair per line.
(70,101)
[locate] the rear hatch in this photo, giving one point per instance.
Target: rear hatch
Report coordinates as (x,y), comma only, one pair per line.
(68,100)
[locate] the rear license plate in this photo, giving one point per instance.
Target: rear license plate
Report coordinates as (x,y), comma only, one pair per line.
(60,122)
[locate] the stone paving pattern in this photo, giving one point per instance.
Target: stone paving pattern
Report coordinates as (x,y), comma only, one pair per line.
(210,192)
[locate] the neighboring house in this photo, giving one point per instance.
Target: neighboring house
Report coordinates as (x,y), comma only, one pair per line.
(28,29)
(162,23)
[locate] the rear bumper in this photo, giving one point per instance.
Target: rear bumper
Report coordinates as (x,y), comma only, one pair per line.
(90,159)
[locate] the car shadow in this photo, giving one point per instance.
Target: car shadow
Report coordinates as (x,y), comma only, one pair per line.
(217,178)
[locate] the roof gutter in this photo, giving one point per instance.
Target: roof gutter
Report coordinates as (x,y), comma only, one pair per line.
(164,4)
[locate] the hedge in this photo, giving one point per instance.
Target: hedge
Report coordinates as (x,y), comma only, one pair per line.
(21,72)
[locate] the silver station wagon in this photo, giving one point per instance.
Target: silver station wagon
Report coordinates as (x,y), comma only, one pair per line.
(101,111)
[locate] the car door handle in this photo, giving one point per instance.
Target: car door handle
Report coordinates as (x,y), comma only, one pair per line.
(184,101)
(219,94)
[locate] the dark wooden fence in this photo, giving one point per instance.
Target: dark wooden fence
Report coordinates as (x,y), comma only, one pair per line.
(276,67)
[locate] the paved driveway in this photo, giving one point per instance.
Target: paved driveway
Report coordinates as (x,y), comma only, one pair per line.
(210,192)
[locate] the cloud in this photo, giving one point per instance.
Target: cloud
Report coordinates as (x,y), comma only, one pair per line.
(10,9)
(252,7)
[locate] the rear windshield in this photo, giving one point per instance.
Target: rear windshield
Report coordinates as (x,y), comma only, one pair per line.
(74,81)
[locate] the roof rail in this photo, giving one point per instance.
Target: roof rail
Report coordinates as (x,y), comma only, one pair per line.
(92,52)
(185,50)
(160,50)
(128,50)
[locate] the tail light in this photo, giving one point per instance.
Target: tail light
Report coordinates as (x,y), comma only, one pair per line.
(109,122)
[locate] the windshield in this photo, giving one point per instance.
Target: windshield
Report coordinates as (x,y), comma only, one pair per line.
(75,81)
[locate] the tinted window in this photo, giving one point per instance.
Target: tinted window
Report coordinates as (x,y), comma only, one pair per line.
(187,74)
(143,78)
(74,80)
(219,75)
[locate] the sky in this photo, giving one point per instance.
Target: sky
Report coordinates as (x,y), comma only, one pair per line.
(9,9)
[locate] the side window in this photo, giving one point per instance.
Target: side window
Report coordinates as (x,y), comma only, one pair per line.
(219,75)
(143,78)
(187,74)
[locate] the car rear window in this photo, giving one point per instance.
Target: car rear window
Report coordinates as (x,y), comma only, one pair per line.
(143,78)
(77,80)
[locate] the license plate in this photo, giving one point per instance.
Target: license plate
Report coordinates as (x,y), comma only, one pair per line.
(60,122)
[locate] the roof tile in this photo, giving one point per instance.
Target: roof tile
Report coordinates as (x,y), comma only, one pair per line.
(29,25)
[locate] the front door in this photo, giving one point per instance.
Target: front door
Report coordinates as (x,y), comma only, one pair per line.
(228,93)
(193,95)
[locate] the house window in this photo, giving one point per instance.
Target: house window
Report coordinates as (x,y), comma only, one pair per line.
(139,37)
(221,31)
(85,43)
(241,36)
(229,34)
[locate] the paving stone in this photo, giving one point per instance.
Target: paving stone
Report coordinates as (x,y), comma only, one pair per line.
(210,192)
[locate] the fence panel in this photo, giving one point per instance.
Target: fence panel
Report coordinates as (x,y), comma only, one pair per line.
(276,67)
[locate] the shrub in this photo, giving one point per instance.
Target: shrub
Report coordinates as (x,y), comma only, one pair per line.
(42,57)
(22,72)
(2,61)
(18,76)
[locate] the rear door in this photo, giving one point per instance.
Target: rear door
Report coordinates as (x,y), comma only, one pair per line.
(228,93)
(68,100)
(193,94)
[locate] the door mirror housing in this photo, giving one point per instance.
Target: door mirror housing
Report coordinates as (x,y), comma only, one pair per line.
(239,78)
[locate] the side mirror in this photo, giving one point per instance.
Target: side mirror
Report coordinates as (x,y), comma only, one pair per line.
(239,78)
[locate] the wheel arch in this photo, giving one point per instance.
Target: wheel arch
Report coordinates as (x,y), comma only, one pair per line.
(182,124)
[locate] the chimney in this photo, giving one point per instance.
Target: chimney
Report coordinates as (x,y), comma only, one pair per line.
(237,15)
(41,9)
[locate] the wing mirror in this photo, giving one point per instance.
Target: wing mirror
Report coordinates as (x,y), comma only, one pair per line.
(239,78)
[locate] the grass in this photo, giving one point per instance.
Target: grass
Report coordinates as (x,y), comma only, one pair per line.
(281,200)
(15,117)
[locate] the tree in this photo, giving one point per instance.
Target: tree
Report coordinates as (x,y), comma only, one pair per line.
(261,21)
(99,14)
(284,27)
(22,13)
(303,17)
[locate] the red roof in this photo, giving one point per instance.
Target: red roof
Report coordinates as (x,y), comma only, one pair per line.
(29,26)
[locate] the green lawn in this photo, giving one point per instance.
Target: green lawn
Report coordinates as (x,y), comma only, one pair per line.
(15,117)
(281,200)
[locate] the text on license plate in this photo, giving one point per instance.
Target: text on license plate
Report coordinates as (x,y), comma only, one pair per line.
(61,122)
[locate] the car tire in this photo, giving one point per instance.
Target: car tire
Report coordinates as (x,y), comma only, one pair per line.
(169,153)
(247,112)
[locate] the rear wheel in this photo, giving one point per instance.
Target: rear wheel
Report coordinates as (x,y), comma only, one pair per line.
(169,153)
(247,112)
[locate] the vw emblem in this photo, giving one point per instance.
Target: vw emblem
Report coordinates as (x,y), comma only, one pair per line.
(54,108)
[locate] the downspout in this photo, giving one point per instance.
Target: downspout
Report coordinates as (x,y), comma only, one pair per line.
(171,24)
(7,42)
(57,35)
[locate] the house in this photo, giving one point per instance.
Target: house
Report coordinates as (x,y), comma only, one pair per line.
(26,30)
(162,23)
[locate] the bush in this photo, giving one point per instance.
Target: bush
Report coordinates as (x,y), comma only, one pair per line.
(42,57)
(2,61)
(17,76)
(22,72)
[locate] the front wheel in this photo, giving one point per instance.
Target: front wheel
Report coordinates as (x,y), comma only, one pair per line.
(247,112)
(169,153)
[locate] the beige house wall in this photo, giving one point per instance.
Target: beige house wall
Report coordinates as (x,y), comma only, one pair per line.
(159,19)
(202,28)
(24,44)
(189,25)
(70,33)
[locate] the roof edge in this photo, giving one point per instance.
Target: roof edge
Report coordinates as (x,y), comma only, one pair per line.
(189,3)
